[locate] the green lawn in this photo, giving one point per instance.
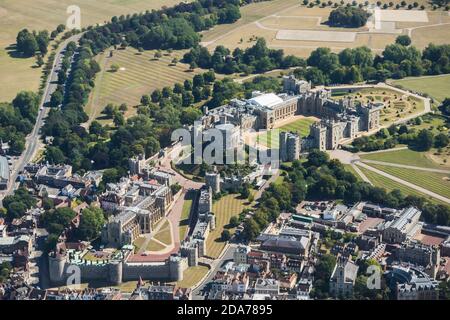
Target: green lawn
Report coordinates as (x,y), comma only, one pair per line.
(404,156)
(435,182)
(138,243)
(436,86)
(301,127)
(18,73)
(154,246)
(139,74)
(184,220)
(389,185)
(192,276)
(164,234)
(228,206)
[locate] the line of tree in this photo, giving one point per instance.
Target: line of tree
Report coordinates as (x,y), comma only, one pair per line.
(323,179)
(256,59)
(359,64)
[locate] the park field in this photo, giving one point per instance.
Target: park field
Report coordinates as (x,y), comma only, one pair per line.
(436,182)
(138,74)
(388,184)
(404,156)
(298,30)
(300,126)
(436,87)
(226,207)
(18,73)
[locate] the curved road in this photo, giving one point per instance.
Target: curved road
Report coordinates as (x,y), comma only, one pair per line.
(32,143)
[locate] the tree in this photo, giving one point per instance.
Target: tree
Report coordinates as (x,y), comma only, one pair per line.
(251,229)
(26,43)
(91,223)
(189,115)
(226,235)
(348,17)
(114,67)
(234,221)
(245,191)
(39,61)
(441,140)
(425,140)
(317,158)
(403,40)
(123,107)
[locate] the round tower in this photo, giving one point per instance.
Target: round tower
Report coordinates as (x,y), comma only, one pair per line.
(56,268)
(115,272)
(176,268)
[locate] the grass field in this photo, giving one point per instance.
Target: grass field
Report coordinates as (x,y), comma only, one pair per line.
(164,234)
(389,185)
(436,182)
(184,220)
(436,87)
(301,127)
(266,19)
(404,156)
(18,73)
(228,206)
(192,276)
(139,74)
(154,246)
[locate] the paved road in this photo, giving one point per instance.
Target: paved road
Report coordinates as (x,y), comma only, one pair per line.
(406,183)
(199,292)
(32,142)
(361,174)
(397,165)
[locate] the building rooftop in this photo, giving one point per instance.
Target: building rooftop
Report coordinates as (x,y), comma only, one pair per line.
(268,100)
(4,168)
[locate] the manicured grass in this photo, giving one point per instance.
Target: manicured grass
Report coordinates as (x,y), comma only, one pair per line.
(301,127)
(432,181)
(404,156)
(228,206)
(18,73)
(350,169)
(184,220)
(154,246)
(139,74)
(389,185)
(435,86)
(192,276)
(164,234)
(138,243)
